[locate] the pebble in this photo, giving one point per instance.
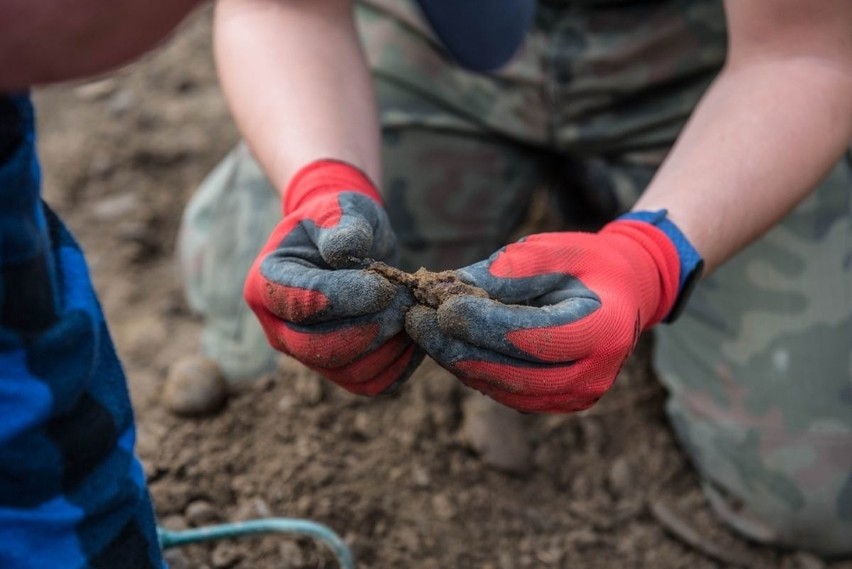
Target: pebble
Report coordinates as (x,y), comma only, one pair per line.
(363,425)
(286,404)
(114,206)
(174,522)
(194,387)
(225,555)
(291,554)
(620,477)
(96,90)
(443,507)
(420,476)
(582,538)
(308,386)
(121,102)
(250,509)
(176,559)
(200,513)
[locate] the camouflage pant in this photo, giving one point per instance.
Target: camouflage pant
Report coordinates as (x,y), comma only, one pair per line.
(758,368)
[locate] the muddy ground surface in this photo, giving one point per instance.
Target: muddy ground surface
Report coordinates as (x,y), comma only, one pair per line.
(395,476)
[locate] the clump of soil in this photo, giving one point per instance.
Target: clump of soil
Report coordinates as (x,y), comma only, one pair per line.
(429,288)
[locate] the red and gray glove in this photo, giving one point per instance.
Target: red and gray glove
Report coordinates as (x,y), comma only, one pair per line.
(310,296)
(572,306)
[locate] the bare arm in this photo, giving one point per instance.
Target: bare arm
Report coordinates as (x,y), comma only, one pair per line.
(297,82)
(44,42)
(774,122)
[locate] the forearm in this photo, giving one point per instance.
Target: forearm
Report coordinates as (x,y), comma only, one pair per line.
(44,42)
(759,142)
(772,125)
(297,83)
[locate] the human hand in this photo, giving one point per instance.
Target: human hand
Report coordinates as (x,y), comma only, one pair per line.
(565,312)
(312,299)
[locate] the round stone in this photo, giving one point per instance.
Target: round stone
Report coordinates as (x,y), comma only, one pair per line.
(194,387)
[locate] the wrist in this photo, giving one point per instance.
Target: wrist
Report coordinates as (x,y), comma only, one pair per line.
(690,264)
(324,177)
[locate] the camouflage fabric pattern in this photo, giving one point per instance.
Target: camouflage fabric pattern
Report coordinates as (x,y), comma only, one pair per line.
(589,108)
(72,493)
(228,220)
(760,373)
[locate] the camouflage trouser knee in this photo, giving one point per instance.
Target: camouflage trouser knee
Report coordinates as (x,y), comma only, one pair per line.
(589,107)
(224,226)
(760,373)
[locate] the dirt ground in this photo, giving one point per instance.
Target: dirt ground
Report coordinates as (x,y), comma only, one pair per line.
(607,488)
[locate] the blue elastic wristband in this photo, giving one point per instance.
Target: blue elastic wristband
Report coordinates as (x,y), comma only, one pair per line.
(691,263)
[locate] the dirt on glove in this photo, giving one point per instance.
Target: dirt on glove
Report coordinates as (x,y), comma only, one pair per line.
(429,288)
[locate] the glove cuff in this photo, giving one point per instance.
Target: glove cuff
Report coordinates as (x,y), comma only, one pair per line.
(691,265)
(327,176)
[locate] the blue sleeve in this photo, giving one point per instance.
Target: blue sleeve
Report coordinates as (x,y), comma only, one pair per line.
(72,493)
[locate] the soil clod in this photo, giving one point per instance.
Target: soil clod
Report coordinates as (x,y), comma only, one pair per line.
(430,288)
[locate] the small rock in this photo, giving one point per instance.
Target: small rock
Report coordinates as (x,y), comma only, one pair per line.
(120,103)
(443,507)
(582,538)
(291,554)
(408,538)
(420,476)
(551,556)
(174,523)
(194,387)
(200,513)
(396,473)
(362,425)
(96,90)
(286,404)
(308,386)
(496,433)
(243,484)
(250,509)
(225,555)
(620,477)
(114,206)
(176,559)
(262,508)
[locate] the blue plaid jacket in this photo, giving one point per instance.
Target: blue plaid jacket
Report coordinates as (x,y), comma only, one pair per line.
(72,494)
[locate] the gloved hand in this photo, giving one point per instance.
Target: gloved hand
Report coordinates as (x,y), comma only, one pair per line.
(570,311)
(311,297)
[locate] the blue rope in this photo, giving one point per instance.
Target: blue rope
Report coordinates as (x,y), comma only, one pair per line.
(315,530)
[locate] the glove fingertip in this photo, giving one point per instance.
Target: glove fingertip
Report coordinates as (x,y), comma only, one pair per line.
(338,246)
(476,274)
